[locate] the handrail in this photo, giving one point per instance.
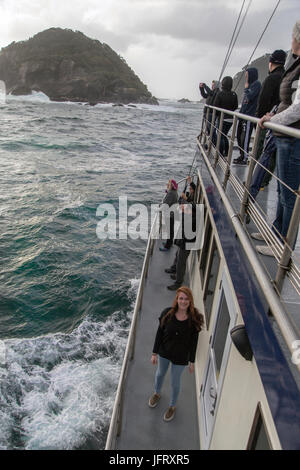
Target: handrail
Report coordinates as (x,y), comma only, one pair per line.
(287,328)
(116,419)
(286,263)
(290,131)
(282,251)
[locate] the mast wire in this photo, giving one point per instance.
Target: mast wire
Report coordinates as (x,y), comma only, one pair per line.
(245,68)
(231,44)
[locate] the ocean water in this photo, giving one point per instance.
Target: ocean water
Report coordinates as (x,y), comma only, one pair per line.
(66,297)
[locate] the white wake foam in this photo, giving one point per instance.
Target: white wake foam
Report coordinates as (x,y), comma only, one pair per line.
(57,391)
(36,96)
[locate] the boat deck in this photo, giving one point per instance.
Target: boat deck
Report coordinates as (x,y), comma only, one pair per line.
(143,427)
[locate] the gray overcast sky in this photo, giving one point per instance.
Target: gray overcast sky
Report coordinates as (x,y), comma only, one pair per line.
(170,44)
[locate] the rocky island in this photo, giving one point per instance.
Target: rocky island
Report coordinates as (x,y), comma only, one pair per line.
(66,65)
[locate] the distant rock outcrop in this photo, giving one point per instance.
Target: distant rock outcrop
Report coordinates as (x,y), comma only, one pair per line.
(184,100)
(69,66)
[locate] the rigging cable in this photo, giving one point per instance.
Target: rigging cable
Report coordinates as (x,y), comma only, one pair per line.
(245,68)
(231,44)
(242,23)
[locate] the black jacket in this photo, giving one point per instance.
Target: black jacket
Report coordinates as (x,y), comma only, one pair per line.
(188,226)
(176,340)
(209,94)
(226,98)
(269,93)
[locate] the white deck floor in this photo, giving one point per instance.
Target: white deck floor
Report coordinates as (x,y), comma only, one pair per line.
(143,427)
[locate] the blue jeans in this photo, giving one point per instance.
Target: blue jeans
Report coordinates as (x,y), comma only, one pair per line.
(259,172)
(176,372)
(288,170)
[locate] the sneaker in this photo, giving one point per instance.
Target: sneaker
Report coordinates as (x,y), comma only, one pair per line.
(238,160)
(153,400)
(265,250)
(170,271)
(163,248)
(257,236)
(174,286)
(169,414)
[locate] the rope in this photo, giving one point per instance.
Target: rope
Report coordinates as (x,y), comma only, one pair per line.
(228,53)
(258,43)
(238,33)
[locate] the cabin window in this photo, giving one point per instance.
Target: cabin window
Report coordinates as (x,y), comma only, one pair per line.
(211,280)
(204,222)
(221,334)
(259,439)
(205,248)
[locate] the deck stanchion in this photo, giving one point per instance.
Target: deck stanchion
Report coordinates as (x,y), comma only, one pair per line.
(230,151)
(219,131)
(212,126)
(203,126)
(252,164)
(205,120)
(291,237)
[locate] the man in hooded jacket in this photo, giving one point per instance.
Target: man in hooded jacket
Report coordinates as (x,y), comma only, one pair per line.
(226,99)
(249,104)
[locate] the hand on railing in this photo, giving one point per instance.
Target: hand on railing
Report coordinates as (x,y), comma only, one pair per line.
(265,118)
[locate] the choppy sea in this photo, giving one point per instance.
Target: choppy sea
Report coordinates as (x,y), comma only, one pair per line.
(66,297)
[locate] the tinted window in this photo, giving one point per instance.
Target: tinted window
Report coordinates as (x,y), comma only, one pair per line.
(221,333)
(211,280)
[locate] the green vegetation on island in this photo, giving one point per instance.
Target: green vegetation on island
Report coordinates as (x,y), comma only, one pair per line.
(66,65)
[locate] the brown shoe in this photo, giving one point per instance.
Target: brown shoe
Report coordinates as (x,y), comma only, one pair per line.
(153,400)
(169,414)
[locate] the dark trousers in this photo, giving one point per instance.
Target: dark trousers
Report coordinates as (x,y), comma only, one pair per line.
(244,132)
(179,264)
(170,228)
(224,145)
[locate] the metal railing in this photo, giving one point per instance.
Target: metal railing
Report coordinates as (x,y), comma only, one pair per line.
(249,207)
(287,263)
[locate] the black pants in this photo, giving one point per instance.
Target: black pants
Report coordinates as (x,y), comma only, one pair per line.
(170,228)
(179,264)
(244,132)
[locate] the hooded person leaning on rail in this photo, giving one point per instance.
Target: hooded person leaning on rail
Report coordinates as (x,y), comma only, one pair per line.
(226,99)
(249,105)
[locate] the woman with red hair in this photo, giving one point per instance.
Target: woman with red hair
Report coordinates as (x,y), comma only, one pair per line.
(175,343)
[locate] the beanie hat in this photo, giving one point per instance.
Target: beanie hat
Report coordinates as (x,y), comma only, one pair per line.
(296,31)
(278,57)
(174,184)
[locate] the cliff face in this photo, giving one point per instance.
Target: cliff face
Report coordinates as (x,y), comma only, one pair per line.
(69,66)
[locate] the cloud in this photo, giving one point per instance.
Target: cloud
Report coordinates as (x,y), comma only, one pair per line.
(170,44)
